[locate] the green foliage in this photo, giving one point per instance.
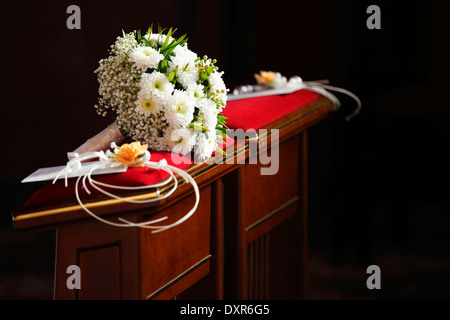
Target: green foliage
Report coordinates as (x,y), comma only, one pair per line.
(206,67)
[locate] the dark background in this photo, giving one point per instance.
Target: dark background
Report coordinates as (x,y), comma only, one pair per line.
(378,184)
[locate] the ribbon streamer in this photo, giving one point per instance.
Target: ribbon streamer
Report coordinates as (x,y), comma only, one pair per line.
(106,162)
(295,83)
(317,86)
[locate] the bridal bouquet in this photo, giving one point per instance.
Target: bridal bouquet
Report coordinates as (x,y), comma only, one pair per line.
(163,94)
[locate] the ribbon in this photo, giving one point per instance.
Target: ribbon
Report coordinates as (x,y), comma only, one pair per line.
(295,84)
(106,162)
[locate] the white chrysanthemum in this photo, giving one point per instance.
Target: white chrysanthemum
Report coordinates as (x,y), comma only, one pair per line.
(184,59)
(145,57)
(206,104)
(208,112)
(196,91)
(217,87)
(147,105)
(204,146)
(216,82)
(180,109)
(184,140)
(157,85)
(157,40)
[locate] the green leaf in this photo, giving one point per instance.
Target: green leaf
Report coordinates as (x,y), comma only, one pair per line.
(224,135)
(221,117)
(162,66)
(197,126)
(218,149)
(221,140)
(139,38)
(169,33)
(196,117)
(171,76)
(221,120)
(210,70)
(168,48)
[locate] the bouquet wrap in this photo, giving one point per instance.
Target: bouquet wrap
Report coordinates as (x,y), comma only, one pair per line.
(102,140)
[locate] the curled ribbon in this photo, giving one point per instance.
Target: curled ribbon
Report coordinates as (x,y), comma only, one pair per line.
(107,162)
(294,84)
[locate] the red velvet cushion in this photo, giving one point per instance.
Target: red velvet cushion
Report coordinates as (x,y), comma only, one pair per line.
(132,177)
(255,113)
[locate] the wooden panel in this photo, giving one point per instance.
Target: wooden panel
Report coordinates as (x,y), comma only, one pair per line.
(271,220)
(100,278)
(257,273)
(303,215)
(233,259)
(211,286)
(263,194)
(274,264)
(185,280)
(272,227)
(286,279)
(166,255)
(81,242)
(277,246)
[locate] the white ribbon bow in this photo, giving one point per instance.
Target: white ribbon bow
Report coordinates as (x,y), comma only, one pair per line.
(106,162)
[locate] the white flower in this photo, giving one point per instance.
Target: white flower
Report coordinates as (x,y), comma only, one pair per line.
(147,105)
(146,57)
(279,80)
(157,40)
(184,140)
(206,104)
(187,72)
(196,91)
(204,146)
(216,82)
(208,112)
(157,85)
(180,109)
(218,88)
(124,44)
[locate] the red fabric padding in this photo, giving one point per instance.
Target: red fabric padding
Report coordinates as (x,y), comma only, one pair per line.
(252,113)
(57,192)
(132,177)
(255,113)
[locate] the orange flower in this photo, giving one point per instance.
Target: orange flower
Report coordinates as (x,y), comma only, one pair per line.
(130,153)
(265,77)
